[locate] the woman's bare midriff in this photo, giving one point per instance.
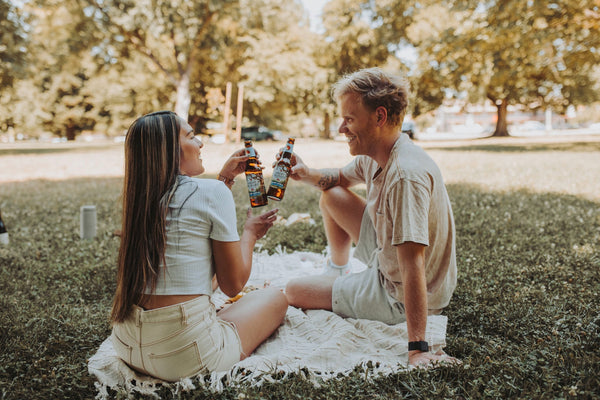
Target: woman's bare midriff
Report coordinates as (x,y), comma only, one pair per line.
(159,301)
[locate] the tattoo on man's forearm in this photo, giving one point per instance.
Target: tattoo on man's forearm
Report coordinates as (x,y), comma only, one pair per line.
(329,178)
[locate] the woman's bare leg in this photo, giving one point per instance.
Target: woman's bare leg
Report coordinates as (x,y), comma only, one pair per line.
(256,316)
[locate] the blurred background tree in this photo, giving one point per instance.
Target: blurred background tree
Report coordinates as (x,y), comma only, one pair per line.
(278,70)
(534,53)
(187,43)
(71,66)
(60,68)
(12,58)
(12,42)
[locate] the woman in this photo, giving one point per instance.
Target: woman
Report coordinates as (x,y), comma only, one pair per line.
(179,233)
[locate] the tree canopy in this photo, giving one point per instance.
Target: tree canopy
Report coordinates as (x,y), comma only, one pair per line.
(12,43)
(12,57)
(67,66)
(182,40)
(533,53)
(278,70)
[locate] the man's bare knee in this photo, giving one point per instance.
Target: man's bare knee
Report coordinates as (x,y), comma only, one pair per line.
(311,292)
(332,197)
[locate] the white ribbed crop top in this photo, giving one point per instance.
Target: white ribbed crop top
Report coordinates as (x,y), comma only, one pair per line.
(200,210)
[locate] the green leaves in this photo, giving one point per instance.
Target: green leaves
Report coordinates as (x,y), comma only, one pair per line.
(12,40)
(528,53)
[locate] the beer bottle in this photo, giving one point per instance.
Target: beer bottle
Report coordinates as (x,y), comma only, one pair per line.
(254,178)
(3,232)
(281,172)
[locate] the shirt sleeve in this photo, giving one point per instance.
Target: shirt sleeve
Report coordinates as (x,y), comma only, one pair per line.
(408,203)
(222,214)
(354,171)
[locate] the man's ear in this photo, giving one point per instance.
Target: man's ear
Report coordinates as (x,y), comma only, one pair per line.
(381,115)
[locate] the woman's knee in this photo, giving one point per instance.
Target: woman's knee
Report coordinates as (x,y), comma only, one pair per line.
(281,301)
(276,301)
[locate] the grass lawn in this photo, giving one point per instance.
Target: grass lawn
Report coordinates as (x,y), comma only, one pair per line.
(525,317)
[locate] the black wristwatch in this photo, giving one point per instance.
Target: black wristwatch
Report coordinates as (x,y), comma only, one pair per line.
(421,346)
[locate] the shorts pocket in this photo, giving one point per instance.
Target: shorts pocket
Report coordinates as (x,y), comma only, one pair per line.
(123,349)
(176,364)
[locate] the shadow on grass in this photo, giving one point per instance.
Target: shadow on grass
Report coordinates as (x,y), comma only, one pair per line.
(524,318)
(578,146)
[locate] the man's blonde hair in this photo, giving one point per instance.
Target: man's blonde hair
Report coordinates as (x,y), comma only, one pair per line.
(376,88)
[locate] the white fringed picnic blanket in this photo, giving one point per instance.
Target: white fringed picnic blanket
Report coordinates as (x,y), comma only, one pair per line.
(315,343)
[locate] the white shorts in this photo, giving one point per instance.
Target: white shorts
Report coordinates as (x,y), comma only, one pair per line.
(363,295)
(177,341)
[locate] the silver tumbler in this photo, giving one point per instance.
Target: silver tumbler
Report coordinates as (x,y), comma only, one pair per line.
(87,222)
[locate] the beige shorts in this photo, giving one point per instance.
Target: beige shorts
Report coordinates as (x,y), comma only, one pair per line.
(178,341)
(363,295)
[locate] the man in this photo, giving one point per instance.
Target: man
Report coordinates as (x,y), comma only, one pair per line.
(403,230)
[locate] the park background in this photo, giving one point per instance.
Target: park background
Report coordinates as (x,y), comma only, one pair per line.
(87,68)
(505,96)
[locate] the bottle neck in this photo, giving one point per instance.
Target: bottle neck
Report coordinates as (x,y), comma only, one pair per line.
(287,153)
(252,164)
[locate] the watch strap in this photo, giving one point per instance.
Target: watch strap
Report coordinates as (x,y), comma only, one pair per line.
(420,345)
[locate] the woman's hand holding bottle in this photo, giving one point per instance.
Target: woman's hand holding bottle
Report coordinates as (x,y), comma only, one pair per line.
(235,164)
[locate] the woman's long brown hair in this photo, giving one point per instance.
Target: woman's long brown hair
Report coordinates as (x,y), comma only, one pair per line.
(151,169)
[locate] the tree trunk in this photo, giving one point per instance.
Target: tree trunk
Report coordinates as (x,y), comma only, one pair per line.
(184,98)
(325,134)
(501,124)
(70,133)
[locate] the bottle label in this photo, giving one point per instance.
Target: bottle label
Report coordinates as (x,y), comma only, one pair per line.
(251,152)
(280,175)
(254,185)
